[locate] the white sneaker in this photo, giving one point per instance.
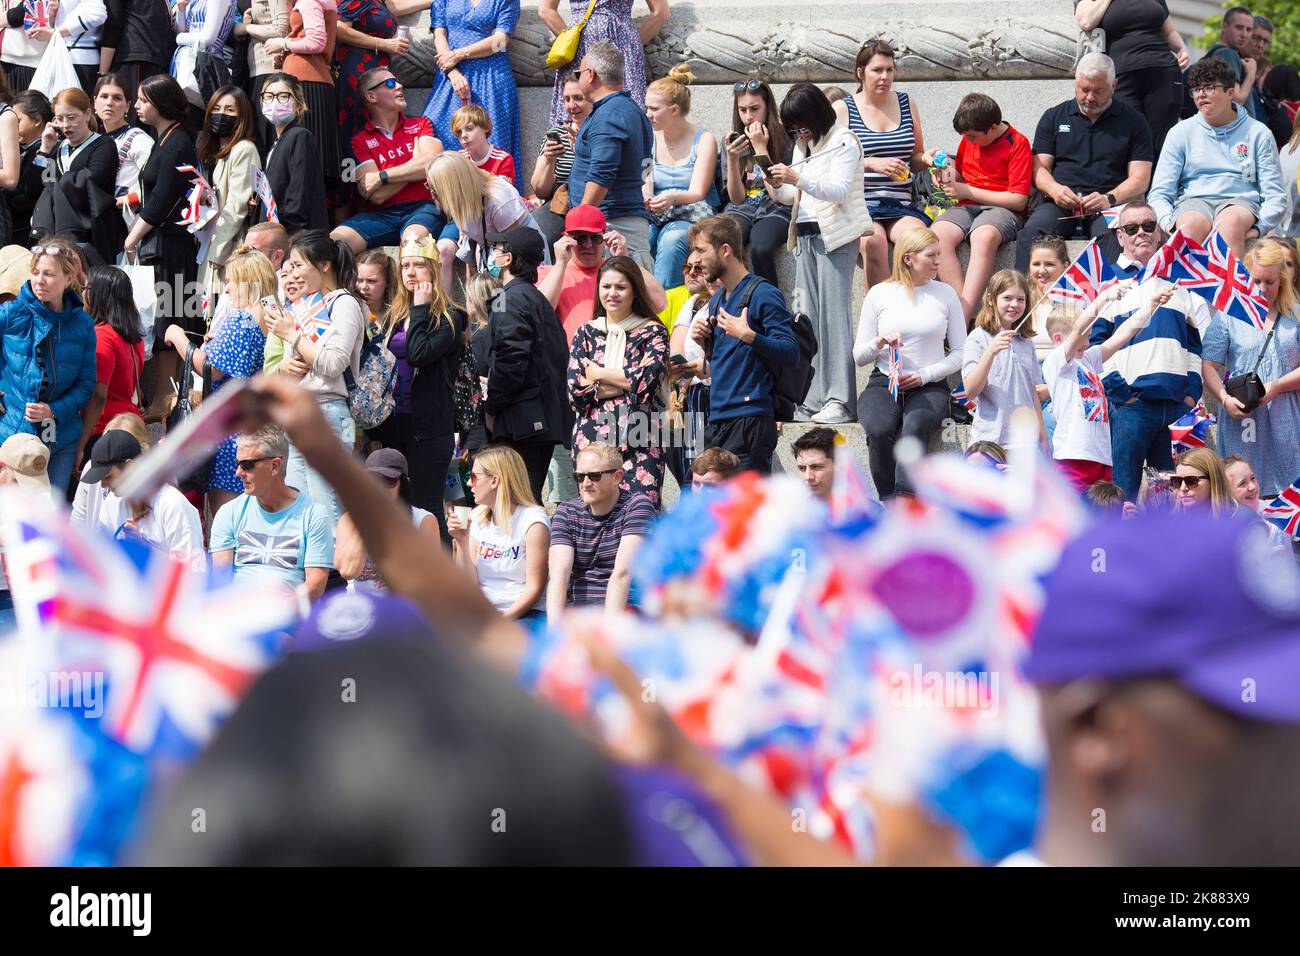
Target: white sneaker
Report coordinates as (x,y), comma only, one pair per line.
(833,413)
(802,414)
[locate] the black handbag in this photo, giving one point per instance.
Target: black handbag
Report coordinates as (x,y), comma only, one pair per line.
(1249,388)
(197,480)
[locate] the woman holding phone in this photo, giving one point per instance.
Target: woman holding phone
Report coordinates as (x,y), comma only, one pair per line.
(757,140)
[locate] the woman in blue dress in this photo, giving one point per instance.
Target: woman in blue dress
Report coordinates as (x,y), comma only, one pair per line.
(1266,437)
(471,40)
(236,350)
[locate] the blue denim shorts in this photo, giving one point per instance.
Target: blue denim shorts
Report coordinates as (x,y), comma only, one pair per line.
(384,227)
(886,210)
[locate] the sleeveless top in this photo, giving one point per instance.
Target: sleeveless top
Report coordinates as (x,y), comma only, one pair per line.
(896,144)
(676,176)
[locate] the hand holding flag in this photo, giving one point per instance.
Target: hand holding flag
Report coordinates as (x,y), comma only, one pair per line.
(1284,510)
(1084,279)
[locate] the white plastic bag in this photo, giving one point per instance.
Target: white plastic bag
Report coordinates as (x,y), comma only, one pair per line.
(54,73)
(186,60)
(146,299)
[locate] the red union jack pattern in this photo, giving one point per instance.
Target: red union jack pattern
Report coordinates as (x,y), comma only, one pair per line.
(1085,279)
(1181,260)
(1235,292)
(892,363)
(313,317)
(36,13)
(1093,395)
(1284,510)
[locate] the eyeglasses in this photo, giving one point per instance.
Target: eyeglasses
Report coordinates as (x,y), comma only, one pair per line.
(1177,481)
(692,269)
(391,83)
(747,86)
(586,238)
(248,464)
(478,476)
(1132,228)
(1207,89)
(797,131)
(277,97)
(594,476)
(50,251)
(576,76)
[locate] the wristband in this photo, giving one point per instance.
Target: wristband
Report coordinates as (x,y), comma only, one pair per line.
(383,177)
(1110,198)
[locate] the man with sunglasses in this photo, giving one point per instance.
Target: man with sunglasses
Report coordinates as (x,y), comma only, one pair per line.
(1219,168)
(612,149)
(272,531)
(1155,378)
(392,151)
(595,537)
(570,284)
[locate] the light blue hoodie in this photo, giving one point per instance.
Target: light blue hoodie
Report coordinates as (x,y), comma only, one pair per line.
(1217,164)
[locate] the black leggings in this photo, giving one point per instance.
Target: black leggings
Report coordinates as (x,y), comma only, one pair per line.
(429,460)
(764,237)
(886,420)
(1156,93)
(537,462)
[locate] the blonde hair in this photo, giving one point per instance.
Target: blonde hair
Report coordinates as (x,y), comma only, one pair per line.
(479,292)
(1208,463)
(1271,254)
(400,308)
(675,87)
(471,113)
(513,491)
(912,243)
(133,423)
(988,320)
(250,272)
(1061,319)
(1290,258)
(69,258)
(460,186)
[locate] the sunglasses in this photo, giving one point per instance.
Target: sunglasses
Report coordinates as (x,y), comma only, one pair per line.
(576,75)
(586,238)
(747,86)
(478,476)
(248,464)
(1177,481)
(594,476)
(691,270)
(50,251)
(797,131)
(1132,228)
(391,83)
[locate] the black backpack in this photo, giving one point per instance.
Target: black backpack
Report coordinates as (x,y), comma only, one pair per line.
(789,384)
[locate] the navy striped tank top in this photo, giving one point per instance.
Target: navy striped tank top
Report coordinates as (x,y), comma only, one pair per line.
(898,143)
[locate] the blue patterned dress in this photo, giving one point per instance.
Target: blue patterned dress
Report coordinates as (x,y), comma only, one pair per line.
(236,352)
(610,20)
(491,81)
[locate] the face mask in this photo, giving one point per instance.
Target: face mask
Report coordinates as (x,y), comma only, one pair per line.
(494,270)
(278,113)
(222,124)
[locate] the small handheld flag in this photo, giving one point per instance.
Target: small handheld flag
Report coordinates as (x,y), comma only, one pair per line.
(36,13)
(262,187)
(1284,510)
(1191,430)
(1235,292)
(1084,279)
(892,364)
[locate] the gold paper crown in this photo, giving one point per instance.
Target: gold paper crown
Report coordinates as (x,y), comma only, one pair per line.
(426,248)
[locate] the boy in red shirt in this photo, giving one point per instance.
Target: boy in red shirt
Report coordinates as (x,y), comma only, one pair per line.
(991,184)
(472,127)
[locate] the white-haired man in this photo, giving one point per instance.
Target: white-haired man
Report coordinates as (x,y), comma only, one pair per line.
(1090,153)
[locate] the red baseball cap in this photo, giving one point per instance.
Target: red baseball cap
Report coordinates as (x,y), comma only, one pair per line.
(585,219)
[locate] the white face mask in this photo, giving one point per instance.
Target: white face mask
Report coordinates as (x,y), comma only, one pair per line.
(277,113)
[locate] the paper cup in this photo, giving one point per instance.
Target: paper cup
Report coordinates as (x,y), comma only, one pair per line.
(462,514)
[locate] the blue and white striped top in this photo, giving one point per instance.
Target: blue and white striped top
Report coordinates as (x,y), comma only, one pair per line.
(200,34)
(899,143)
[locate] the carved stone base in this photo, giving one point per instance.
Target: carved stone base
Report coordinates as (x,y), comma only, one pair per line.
(726,40)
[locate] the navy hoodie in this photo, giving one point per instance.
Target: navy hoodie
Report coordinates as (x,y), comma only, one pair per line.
(742,375)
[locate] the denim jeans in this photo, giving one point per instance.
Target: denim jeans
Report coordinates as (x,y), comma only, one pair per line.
(306,479)
(8,621)
(636,230)
(59,468)
(1139,433)
(671,249)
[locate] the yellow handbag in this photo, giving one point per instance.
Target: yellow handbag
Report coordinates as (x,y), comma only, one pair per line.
(565,47)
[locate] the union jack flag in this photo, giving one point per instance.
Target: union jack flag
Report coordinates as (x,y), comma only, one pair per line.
(1284,510)
(1228,286)
(313,317)
(272,550)
(177,651)
(851,503)
(1085,278)
(1181,260)
(1191,430)
(891,362)
(1111,216)
(959,395)
(1093,395)
(36,13)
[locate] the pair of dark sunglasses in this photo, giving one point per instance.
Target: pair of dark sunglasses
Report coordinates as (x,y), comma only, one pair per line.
(691,270)
(248,464)
(747,86)
(1177,481)
(586,238)
(1132,228)
(391,83)
(594,476)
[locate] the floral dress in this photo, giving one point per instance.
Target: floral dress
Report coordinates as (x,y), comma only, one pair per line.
(491,80)
(634,421)
(611,20)
(372,18)
(236,351)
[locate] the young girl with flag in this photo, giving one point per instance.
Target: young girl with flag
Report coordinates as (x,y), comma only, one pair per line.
(999,365)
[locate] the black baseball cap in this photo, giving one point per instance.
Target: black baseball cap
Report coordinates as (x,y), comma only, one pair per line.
(113,448)
(525,244)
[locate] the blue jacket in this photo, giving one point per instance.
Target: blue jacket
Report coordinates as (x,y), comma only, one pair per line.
(612,149)
(743,375)
(67,343)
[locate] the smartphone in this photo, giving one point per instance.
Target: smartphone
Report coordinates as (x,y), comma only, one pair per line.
(271,304)
(678,359)
(749,147)
(553,136)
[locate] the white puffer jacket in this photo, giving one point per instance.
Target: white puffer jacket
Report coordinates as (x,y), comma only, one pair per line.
(830,189)
(82,19)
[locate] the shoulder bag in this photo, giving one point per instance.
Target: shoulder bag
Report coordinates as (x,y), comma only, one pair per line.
(565,47)
(1249,388)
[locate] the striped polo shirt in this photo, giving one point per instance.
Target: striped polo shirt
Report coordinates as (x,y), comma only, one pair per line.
(595,540)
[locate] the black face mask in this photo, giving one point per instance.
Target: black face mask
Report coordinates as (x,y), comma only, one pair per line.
(222,124)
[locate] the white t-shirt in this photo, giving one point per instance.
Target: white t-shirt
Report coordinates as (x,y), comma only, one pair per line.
(87,502)
(172,524)
(1011,382)
(924,320)
(501,559)
(692,350)
(1079,400)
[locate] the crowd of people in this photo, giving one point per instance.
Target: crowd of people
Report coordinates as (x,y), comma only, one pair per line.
(544,347)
